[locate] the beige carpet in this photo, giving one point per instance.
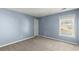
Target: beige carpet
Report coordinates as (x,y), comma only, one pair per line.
(40,44)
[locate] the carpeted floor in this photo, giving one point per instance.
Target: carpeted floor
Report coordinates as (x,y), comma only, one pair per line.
(40,44)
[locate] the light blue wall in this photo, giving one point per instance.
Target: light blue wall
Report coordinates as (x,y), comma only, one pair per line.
(77,27)
(49,26)
(15,26)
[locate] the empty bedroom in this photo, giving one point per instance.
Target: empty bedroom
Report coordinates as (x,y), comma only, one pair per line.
(39,29)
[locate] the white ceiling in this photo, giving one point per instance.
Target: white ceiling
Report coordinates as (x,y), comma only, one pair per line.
(39,12)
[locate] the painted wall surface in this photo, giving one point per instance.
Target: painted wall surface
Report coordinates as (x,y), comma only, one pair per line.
(15,26)
(49,26)
(77,27)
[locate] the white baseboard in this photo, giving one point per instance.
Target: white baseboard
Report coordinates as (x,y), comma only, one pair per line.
(59,40)
(17,41)
(33,37)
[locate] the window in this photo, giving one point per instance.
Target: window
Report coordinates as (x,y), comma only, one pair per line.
(67,25)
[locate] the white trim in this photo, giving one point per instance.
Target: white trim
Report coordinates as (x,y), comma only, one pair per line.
(59,40)
(73,23)
(17,41)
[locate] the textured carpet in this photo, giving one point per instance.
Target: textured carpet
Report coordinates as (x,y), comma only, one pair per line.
(40,44)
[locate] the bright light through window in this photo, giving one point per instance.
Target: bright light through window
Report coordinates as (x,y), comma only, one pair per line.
(67,25)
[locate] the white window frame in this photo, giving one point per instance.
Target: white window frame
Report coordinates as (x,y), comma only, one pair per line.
(73,25)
